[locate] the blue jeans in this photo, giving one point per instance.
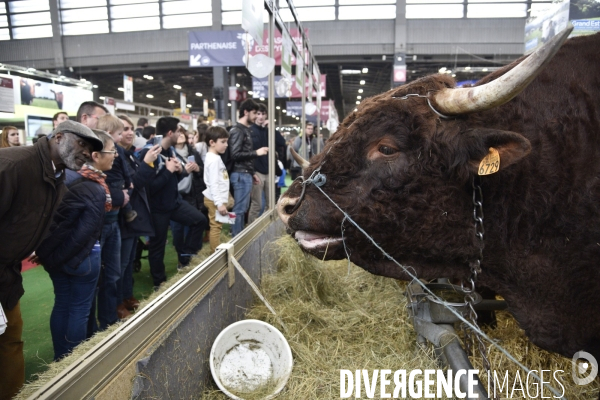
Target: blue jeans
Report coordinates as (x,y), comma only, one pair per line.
(110,274)
(125,284)
(242,187)
(72,303)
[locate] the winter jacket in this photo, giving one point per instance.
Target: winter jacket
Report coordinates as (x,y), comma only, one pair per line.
(310,148)
(76,226)
(141,174)
(240,147)
(260,138)
(30,192)
(163,195)
(195,197)
(117,178)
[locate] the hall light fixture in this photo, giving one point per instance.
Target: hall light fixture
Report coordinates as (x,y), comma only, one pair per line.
(237,85)
(442,70)
(362,82)
(365,70)
(121,89)
(149,96)
(357,102)
(214,99)
(149,77)
(95,86)
(359,97)
(467,68)
(101,98)
(278,108)
(250,92)
(176,87)
(454,75)
(284,111)
(172,101)
(188,105)
(360,90)
(350,71)
(262,99)
(151,114)
(484,70)
(356,109)
(198,94)
(228,104)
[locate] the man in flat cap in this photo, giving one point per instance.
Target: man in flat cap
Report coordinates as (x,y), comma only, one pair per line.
(31,188)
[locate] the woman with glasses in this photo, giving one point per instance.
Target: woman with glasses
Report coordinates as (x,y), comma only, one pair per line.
(141,174)
(71,252)
(119,184)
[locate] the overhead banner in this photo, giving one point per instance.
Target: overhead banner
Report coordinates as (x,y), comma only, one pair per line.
(7,95)
(284,87)
(294,109)
(545,22)
(228,48)
(48,95)
(286,56)
(182,102)
(252,18)
(585,17)
(128,88)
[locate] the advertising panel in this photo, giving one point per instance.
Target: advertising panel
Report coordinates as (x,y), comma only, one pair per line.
(294,109)
(228,48)
(544,22)
(284,88)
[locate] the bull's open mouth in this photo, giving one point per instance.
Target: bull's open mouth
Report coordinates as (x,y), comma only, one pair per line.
(316,241)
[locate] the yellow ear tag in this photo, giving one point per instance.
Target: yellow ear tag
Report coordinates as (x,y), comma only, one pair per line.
(490,163)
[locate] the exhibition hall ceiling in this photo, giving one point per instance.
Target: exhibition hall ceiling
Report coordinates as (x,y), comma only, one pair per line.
(345,82)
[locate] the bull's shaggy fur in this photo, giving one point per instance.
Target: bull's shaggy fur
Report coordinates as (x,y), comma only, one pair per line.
(404,175)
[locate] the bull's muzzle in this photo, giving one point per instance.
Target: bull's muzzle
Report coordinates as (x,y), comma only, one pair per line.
(285,207)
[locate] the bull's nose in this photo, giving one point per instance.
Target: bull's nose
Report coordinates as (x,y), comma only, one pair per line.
(285,205)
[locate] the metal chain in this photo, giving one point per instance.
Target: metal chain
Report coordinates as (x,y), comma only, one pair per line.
(475,267)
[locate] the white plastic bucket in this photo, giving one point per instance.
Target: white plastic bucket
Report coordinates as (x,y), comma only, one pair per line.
(251,356)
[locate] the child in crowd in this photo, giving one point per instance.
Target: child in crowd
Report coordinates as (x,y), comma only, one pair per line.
(216,195)
(119,177)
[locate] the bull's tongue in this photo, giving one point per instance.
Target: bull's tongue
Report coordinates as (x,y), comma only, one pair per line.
(310,240)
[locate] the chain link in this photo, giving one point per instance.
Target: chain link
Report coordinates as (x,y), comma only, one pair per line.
(475,269)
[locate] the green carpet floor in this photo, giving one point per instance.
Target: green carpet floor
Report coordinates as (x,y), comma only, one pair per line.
(37,303)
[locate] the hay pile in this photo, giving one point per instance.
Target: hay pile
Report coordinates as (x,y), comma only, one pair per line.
(339,320)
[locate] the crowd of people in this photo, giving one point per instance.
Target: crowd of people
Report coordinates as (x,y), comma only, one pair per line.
(97,187)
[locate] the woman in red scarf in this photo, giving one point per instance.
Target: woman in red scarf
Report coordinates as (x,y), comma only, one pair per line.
(71,253)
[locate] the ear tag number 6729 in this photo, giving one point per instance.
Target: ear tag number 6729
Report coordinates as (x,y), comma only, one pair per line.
(490,163)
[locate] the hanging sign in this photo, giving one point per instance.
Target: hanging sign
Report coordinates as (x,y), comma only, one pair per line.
(128,88)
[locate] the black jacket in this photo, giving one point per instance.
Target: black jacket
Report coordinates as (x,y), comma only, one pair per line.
(163,195)
(117,178)
(240,145)
(260,138)
(141,174)
(76,226)
(195,197)
(30,192)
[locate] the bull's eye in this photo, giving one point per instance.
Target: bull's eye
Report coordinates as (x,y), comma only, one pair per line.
(387,150)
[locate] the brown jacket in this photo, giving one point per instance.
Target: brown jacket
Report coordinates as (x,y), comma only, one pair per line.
(29,195)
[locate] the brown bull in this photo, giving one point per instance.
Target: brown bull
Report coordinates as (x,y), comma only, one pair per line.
(404,173)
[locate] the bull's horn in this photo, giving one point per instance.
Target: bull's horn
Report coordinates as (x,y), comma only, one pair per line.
(301,161)
(503,89)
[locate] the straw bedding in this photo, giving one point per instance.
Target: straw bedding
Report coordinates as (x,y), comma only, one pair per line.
(341,317)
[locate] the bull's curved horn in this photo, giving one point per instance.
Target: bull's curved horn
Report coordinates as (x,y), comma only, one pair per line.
(503,89)
(301,161)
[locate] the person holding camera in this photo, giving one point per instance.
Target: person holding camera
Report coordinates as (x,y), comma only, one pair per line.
(166,203)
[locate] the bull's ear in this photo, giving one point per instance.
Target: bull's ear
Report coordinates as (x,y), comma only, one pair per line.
(511,146)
